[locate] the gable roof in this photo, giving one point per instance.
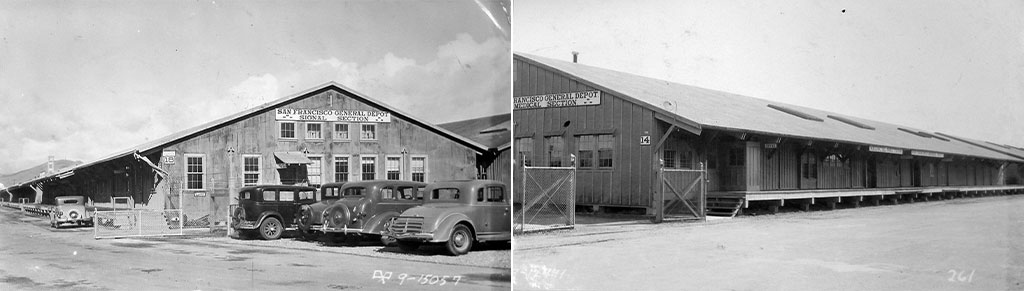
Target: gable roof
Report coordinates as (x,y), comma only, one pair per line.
(713,109)
(491,131)
(160,143)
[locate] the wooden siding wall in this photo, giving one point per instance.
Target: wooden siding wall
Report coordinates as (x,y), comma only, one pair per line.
(628,182)
(446,160)
(500,169)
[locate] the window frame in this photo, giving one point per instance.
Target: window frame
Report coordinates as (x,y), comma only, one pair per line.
(426,168)
(258,172)
(308,132)
(362,129)
(348,167)
(348,131)
(362,172)
(387,169)
(525,152)
(202,174)
(280,130)
(554,158)
(309,175)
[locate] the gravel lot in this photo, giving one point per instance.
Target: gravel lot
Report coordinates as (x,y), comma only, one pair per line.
(963,244)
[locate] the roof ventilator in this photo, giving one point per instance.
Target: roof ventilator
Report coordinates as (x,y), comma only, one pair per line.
(796,113)
(851,122)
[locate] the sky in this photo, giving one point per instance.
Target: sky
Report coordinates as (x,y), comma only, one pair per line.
(955,67)
(81,80)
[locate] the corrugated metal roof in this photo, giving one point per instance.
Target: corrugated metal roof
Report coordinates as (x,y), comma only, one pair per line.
(491,131)
(722,110)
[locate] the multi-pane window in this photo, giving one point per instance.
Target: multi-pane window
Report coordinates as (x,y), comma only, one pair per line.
(340,169)
(555,146)
(287,130)
(368,131)
(809,166)
(605,148)
(195,172)
(736,157)
(393,166)
(418,166)
(314,131)
(314,170)
(669,157)
(587,150)
(686,159)
(250,170)
(525,148)
(368,166)
(341,131)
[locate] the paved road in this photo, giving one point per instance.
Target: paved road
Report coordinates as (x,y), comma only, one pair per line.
(962,244)
(35,257)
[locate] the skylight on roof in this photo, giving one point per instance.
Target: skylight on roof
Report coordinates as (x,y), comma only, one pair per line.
(796,113)
(922,134)
(851,122)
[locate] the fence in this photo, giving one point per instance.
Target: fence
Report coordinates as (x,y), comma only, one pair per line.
(546,199)
(682,194)
(144,222)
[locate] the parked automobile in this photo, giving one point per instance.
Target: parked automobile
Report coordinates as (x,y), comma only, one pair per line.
(309,220)
(366,207)
(457,214)
(69,210)
(269,209)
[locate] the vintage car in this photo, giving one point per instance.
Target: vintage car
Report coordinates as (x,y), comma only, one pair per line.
(366,207)
(269,209)
(457,214)
(69,210)
(308,224)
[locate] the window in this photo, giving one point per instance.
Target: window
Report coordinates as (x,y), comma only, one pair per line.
(331,192)
(307,195)
(314,131)
(354,191)
(369,168)
(387,193)
(287,130)
(736,157)
(445,194)
(480,194)
(605,147)
(341,131)
(245,195)
(368,131)
(809,166)
(555,146)
(686,159)
(670,159)
(195,171)
(495,194)
(393,166)
(250,170)
(419,169)
(587,145)
(269,195)
(525,148)
(340,169)
(314,170)
(286,195)
(410,193)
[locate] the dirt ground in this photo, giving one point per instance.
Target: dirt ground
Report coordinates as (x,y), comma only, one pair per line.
(35,257)
(962,244)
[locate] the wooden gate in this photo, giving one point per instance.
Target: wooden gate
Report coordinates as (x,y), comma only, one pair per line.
(682,194)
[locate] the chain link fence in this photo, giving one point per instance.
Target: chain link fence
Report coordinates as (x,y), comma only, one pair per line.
(545,200)
(145,222)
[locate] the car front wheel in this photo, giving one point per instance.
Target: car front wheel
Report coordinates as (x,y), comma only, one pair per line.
(460,241)
(271,229)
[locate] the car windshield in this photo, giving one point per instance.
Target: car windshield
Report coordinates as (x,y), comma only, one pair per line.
(444,195)
(353,191)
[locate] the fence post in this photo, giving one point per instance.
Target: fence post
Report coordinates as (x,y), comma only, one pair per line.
(138,220)
(703,192)
(659,202)
(522,200)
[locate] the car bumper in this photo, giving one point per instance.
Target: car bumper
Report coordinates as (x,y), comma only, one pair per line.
(245,224)
(415,236)
(344,230)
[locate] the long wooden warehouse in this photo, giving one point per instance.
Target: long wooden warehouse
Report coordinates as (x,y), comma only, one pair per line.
(622,128)
(329,133)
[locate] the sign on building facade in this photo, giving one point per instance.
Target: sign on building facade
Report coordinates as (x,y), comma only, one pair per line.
(570,99)
(333,115)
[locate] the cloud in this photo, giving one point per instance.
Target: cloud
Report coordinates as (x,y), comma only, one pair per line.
(466,78)
(255,90)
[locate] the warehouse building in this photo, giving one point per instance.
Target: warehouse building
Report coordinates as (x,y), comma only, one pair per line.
(622,128)
(329,133)
(495,133)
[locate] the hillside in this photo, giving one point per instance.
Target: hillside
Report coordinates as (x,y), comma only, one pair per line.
(31,173)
